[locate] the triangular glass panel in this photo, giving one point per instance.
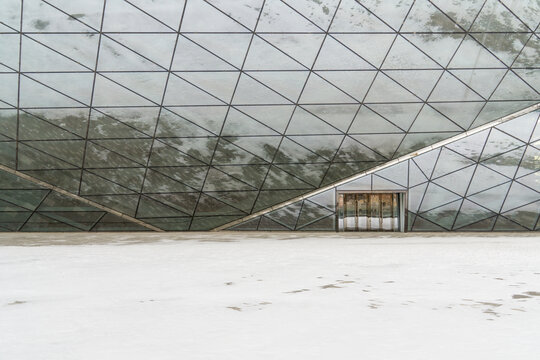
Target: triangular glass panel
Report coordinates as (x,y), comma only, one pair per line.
(251,174)
(444,215)
(310,213)
(404,55)
(353,17)
(81,48)
(157,48)
(504,224)
(342,170)
(41,223)
(33,159)
(96,185)
(482,225)
(211,222)
(514,88)
(436,196)
(272,197)
(242,200)
(287,215)
(397,173)
(470,146)
(494,110)
(97,156)
(440,46)
(287,83)
(168,11)
(73,120)
(133,19)
(219,84)
(393,15)
(301,47)
(321,14)
(238,123)
(267,224)
(362,183)
(531,180)
(137,150)
(34,128)
(326,199)
(142,119)
(421,224)
(108,93)
(450,161)
(485,178)
(155,182)
(462,13)
(495,17)
(385,145)
(370,47)
(9,57)
(70,151)
(384,89)
(426,162)
(185,202)
(208,117)
(339,116)
(526,215)
(227,153)
(34,94)
(26,198)
(323,145)
(245,12)
(400,116)
(303,123)
(263,146)
(471,54)
(66,179)
(493,198)
(114,56)
(277,16)
(126,204)
(75,85)
(335,56)
(149,85)
(325,224)
(276,117)
(279,179)
(152,209)
(521,127)
(82,220)
(530,161)
(498,143)
(419,82)
(130,178)
(528,56)
(383,184)
(38,57)
(311,173)
(451,89)
(413,142)
(471,213)
(200,148)
(173,125)
(229,47)
(318,90)
(421,11)
(249,91)
(180,92)
(192,56)
(416,176)
(519,195)
(200,16)
(483,81)
(352,150)
(112,222)
(457,181)
(264,56)
(208,206)
(430,120)
(42,17)
(353,83)
(462,113)
(169,223)
(219,181)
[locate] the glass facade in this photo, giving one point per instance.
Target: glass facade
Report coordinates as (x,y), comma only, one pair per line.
(189,115)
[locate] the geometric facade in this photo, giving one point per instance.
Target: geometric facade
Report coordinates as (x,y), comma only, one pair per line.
(487,181)
(190,115)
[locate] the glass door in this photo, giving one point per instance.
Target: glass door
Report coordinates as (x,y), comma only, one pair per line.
(369,212)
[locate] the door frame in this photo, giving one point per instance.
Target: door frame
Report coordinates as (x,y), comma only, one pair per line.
(403,194)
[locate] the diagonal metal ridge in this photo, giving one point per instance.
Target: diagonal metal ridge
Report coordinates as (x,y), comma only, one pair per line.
(79,198)
(383,166)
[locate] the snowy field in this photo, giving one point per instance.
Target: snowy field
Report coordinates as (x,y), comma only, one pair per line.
(258,296)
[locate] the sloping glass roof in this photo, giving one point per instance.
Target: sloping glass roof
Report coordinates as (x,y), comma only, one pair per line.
(190,114)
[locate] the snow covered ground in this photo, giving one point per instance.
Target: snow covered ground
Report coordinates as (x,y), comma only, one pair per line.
(260,296)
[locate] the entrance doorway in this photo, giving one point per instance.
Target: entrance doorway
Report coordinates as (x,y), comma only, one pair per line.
(370,211)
